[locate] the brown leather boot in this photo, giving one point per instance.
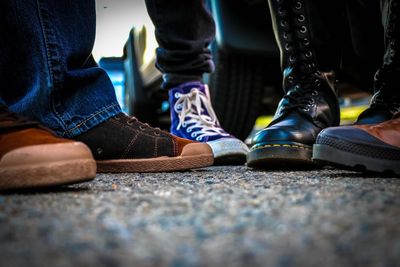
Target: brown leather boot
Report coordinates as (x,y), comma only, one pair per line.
(365,147)
(32,156)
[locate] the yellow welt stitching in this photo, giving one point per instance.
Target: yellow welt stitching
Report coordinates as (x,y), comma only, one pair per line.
(284,145)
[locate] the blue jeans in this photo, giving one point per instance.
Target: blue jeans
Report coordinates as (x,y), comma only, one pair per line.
(184,30)
(47,71)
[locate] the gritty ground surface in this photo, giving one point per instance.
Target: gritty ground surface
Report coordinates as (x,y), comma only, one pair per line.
(219,216)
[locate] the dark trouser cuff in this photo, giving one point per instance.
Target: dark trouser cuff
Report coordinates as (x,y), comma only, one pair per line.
(172,79)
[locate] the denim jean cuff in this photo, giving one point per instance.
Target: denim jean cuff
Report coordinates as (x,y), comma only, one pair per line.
(92,120)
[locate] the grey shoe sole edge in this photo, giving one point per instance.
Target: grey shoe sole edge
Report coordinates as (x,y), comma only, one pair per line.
(324,154)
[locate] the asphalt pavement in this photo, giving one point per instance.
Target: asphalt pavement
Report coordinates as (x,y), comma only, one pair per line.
(218,216)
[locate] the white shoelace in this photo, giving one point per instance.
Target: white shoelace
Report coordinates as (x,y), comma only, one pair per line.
(190,112)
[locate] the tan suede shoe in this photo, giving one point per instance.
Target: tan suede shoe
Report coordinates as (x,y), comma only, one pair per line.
(32,156)
(374,148)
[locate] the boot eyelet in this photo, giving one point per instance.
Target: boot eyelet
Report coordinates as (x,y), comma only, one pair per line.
(177,95)
(129,122)
(284,23)
(142,128)
(184,124)
(285,35)
(290,79)
(156,133)
(281,11)
(306,41)
(309,54)
(303,29)
(287,46)
(301,18)
(189,130)
(193,135)
(314,93)
(292,58)
(198,139)
(99,151)
(297,86)
(298,5)
(306,109)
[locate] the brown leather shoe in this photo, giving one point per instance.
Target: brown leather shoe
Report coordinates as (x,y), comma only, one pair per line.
(124,144)
(32,156)
(365,147)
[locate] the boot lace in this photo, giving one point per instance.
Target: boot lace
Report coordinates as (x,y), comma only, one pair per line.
(142,126)
(302,76)
(196,113)
(392,104)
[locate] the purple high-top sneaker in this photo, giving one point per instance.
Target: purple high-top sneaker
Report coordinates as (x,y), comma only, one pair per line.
(193,117)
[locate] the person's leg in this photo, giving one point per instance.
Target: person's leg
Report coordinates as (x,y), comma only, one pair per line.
(386,100)
(31,155)
(373,142)
(307,33)
(46,63)
(184,31)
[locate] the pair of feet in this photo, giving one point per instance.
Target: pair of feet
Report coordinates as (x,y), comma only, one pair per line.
(371,144)
(32,156)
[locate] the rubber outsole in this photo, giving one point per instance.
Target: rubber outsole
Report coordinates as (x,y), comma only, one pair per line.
(47,174)
(160,164)
(228,151)
(280,156)
(327,155)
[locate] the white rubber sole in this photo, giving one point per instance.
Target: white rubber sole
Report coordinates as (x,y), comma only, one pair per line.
(228,147)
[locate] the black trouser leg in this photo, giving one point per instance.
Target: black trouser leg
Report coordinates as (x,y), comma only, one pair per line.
(184,30)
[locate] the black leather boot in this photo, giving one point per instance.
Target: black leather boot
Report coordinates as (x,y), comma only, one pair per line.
(310,103)
(386,100)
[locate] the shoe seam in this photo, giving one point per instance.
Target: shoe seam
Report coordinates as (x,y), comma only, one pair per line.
(133,129)
(128,148)
(155,147)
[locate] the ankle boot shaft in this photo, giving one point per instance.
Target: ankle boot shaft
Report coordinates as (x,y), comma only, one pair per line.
(387,77)
(305,60)
(306,37)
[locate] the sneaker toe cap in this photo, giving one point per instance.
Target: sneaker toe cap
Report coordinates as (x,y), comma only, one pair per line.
(193,149)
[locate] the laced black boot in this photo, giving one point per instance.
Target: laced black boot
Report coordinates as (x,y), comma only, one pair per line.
(310,103)
(386,100)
